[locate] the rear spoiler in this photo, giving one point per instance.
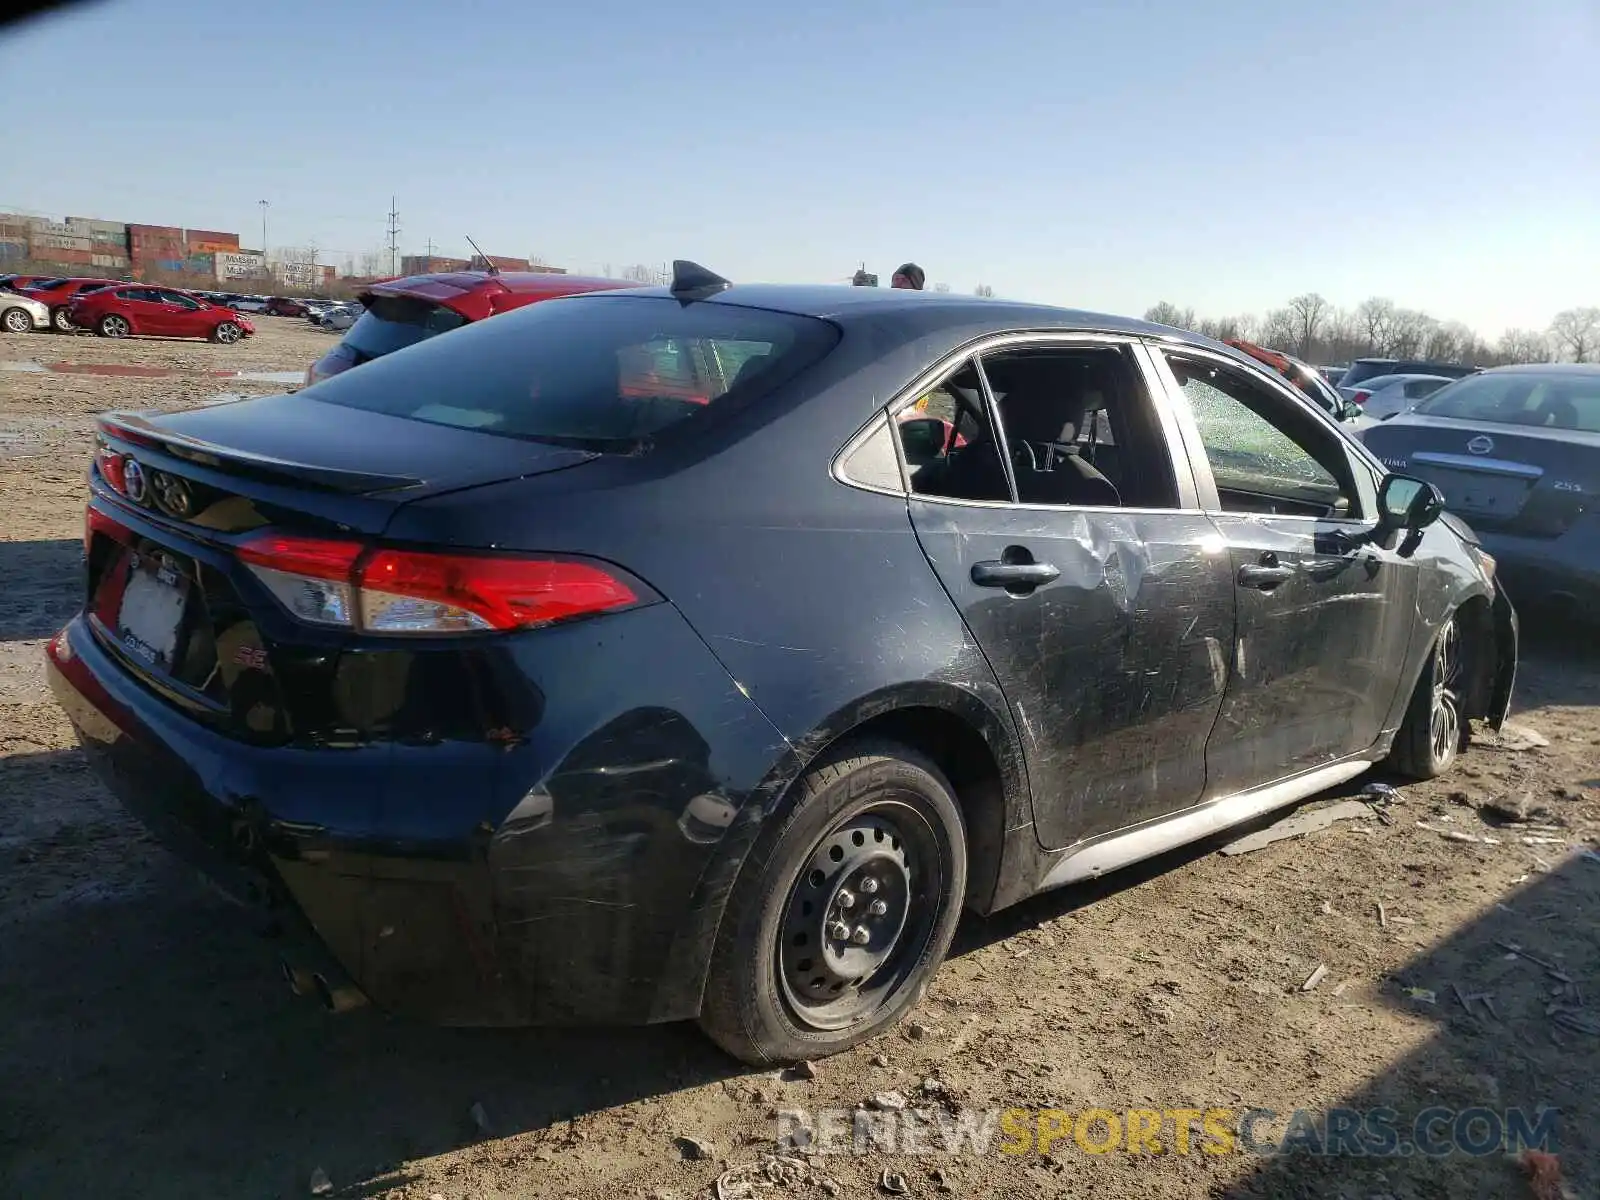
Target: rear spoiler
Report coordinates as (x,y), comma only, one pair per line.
(138,429)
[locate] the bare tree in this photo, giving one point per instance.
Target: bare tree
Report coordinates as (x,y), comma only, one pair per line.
(1309,312)
(1279,329)
(1375,321)
(983,290)
(1167,313)
(941,287)
(1576,333)
(1523,346)
(1408,333)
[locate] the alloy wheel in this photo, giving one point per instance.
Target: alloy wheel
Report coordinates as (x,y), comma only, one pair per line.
(1444,727)
(18,321)
(227,333)
(859,916)
(113,326)
(61,321)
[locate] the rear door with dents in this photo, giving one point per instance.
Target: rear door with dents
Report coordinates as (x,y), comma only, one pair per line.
(1325,611)
(1065,529)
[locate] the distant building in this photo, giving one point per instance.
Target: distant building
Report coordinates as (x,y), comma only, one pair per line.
(430,264)
(480,262)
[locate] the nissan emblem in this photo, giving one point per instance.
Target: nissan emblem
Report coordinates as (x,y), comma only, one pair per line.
(1481,444)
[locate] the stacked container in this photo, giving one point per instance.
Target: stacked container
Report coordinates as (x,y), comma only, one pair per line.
(13,237)
(155,247)
(109,242)
(58,242)
(208,241)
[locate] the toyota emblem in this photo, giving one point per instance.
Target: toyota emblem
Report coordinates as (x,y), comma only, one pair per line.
(133,481)
(1481,444)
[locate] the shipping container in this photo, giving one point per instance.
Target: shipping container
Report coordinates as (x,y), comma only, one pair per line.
(66,258)
(95,225)
(13,251)
(160,231)
(241,265)
(59,241)
(114,261)
(225,241)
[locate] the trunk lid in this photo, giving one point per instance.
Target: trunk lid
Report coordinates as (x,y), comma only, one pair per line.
(172,497)
(1526,480)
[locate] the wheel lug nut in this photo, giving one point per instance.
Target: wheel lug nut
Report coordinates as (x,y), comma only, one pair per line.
(869,885)
(877,908)
(839,931)
(847,898)
(861,937)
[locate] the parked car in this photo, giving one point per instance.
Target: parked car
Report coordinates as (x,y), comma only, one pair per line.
(21,313)
(16,283)
(1383,396)
(1516,451)
(1365,368)
(1332,375)
(1307,378)
(340,317)
(402,312)
(282,306)
(58,295)
(141,309)
(609,661)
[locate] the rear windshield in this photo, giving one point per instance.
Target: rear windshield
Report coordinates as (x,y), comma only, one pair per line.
(606,371)
(394,322)
(1360,372)
(1543,401)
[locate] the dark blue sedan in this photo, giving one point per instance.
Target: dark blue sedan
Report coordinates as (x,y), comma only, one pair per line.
(703,651)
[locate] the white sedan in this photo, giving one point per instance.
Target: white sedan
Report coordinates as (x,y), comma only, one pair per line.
(22,314)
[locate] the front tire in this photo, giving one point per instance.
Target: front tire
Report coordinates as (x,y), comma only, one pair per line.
(843,911)
(60,321)
(226,333)
(113,326)
(17,320)
(1435,725)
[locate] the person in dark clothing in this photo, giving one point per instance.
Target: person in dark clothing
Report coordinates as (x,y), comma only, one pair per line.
(908,275)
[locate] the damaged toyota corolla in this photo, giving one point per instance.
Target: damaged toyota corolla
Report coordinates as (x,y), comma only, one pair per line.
(704,651)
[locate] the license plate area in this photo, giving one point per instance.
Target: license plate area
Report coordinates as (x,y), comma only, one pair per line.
(150,617)
(1474,493)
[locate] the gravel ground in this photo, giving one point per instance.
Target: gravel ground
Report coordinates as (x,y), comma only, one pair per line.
(147,1047)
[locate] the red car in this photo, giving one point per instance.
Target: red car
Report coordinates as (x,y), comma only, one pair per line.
(401,312)
(59,294)
(282,306)
(134,308)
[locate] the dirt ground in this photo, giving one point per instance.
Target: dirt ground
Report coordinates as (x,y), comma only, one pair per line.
(148,1048)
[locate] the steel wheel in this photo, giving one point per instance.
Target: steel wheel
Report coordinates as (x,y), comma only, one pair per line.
(18,321)
(228,333)
(113,326)
(859,915)
(1444,723)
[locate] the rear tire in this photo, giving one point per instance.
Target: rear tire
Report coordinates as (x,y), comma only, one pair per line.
(873,848)
(17,320)
(226,333)
(1435,727)
(113,326)
(61,322)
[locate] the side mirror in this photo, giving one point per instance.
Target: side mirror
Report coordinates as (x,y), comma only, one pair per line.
(923,439)
(1407,503)
(1349,410)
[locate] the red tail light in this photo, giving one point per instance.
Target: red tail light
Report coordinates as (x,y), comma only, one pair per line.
(390,591)
(111,464)
(1361,397)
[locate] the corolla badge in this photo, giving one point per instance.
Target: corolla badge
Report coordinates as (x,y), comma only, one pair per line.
(133,481)
(1481,444)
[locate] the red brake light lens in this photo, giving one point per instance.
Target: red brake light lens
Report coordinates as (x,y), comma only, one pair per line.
(390,591)
(1361,397)
(111,464)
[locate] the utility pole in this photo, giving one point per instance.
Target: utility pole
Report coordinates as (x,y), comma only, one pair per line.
(263,204)
(394,238)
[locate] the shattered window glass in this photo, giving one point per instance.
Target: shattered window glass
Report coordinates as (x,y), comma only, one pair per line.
(1254,460)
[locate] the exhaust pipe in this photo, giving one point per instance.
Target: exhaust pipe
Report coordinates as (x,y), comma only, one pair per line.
(325,981)
(338,995)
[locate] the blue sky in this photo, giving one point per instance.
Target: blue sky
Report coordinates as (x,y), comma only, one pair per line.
(1224,154)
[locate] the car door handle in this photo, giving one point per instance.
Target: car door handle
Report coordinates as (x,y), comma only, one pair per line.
(994,573)
(1264,578)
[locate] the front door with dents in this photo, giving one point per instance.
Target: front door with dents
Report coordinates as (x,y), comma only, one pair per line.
(1325,612)
(1065,530)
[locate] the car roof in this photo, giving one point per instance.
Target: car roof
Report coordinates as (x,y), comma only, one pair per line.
(844,304)
(1399,377)
(1579,369)
(520,282)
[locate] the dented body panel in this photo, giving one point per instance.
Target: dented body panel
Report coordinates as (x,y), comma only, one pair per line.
(545,826)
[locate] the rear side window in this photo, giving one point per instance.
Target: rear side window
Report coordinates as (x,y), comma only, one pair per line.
(1553,401)
(607,371)
(394,322)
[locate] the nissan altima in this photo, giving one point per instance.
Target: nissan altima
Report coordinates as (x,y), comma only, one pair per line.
(704,651)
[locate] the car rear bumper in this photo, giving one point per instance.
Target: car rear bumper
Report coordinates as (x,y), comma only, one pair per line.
(591,896)
(1545,569)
